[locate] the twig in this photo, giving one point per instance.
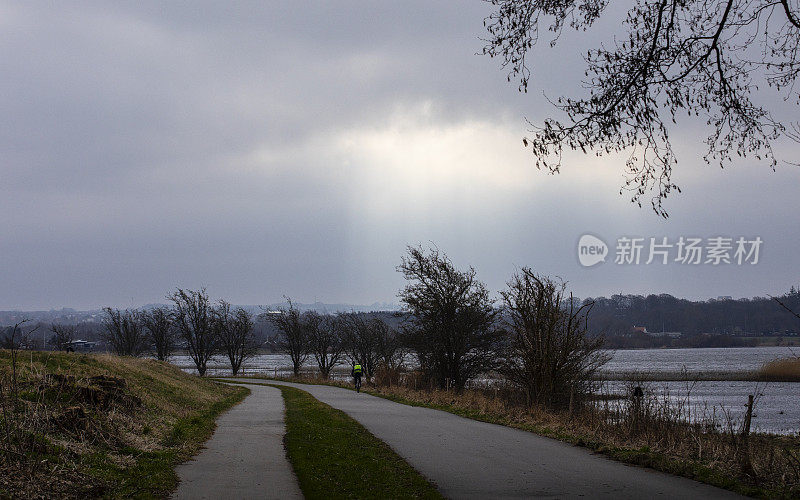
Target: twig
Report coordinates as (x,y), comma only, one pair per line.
(776,299)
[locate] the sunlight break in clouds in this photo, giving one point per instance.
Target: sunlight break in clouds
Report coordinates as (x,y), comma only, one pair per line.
(420,156)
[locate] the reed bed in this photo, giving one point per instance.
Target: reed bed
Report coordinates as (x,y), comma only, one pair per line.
(786,370)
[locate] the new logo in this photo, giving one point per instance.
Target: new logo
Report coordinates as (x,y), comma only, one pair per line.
(591,250)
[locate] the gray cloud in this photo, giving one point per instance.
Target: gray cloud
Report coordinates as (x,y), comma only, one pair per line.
(263,150)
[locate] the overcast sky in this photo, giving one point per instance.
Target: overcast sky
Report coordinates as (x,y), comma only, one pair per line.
(265,149)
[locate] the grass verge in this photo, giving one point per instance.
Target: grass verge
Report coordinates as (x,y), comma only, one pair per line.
(78,425)
(336,457)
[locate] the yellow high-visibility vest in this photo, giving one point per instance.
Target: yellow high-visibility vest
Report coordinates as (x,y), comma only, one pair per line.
(357,369)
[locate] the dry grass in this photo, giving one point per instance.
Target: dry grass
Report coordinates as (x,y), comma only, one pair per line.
(786,370)
(76,425)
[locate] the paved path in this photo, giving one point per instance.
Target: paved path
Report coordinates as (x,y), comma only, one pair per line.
(245,456)
(470,459)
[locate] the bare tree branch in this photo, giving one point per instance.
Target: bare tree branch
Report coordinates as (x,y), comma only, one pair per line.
(694,57)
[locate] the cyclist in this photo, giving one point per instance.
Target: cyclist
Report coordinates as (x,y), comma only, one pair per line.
(356,373)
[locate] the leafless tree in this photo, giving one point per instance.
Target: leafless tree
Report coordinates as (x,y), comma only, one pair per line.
(235,331)
(450,328)
(699,57)
(325,341)
(63,335)
(388,348)
(13,341)
(15,337)
(360,341)
(195,324)
(125,332)
(159,323)
(292,337)
(548,352)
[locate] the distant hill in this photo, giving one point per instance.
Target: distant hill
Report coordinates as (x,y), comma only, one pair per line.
(612,316)
(330,308)
(73,317)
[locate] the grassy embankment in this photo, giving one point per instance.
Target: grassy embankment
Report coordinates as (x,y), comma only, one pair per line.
(334,456)
(656,436)
(78,425)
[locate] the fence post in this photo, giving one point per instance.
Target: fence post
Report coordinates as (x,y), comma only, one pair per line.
(748,417)
(747,465)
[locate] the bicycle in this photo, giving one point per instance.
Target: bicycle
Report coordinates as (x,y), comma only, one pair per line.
(357,383)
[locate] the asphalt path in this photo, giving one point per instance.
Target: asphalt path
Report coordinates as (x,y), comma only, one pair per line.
(470,459)
(245,457)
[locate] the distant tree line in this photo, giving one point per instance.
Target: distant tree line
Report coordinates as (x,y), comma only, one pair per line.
(192,321)
(204,328)
(710,323)
(617,315)
(328,340)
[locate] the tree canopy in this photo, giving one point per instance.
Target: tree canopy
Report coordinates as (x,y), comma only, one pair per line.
(699,57)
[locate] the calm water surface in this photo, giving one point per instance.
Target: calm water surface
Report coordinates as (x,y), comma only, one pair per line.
(696,360)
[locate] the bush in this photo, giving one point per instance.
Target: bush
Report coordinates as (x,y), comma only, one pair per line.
(548,352)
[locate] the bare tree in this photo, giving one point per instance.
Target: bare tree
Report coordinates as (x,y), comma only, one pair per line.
(158,322)
(13,340)
(63,335)
(235,332)
(292,338)
(388,348)
(125,332)
(360,341)
(195,324)
(549,353)
(698,57)
(450,328)
(15,337)
(324,340)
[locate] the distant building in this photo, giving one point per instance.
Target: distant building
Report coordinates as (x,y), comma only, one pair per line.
(643,331)
(674,335)
(82,345)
